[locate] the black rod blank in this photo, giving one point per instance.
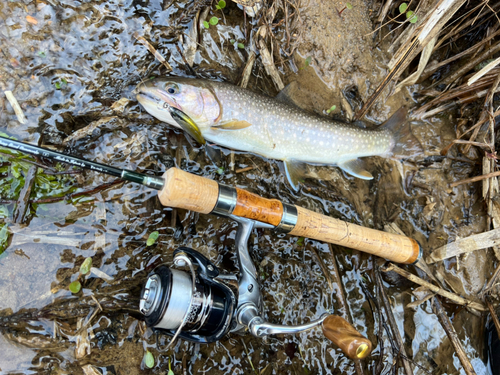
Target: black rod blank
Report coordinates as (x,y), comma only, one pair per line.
(143,179)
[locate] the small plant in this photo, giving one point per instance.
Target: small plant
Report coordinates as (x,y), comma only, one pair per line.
(76,286)
(239,45)
(331,109)
(221,5)
(347,6)
(149,359)
(170,372)
(62,84)
(410,15)
(307,62)
(152,238)
(213,21)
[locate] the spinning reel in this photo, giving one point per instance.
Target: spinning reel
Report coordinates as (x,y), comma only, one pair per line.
(204,305)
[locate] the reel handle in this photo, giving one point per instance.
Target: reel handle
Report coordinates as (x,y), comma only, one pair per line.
(346,337)
(185,190)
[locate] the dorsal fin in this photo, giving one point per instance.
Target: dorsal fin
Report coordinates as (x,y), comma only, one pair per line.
(289,94)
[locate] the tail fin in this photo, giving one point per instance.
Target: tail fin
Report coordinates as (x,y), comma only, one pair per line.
(406,145)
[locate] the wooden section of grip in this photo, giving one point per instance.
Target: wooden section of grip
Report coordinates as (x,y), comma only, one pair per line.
(253,206)
(345,336)
(188,191)
(397,248)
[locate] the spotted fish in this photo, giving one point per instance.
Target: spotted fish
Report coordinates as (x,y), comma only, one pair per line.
(240,119)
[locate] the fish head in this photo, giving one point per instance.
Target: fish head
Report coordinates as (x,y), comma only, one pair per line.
(196,98)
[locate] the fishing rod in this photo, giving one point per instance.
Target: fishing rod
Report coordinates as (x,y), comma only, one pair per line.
(204,305)
(181,189)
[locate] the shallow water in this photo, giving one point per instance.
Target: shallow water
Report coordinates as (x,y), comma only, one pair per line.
(69,68)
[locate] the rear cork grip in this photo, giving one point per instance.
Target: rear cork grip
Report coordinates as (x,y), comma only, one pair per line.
(346,337)
(188,191)
(253,206)
(397,248)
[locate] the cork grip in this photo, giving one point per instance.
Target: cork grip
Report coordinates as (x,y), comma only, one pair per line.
(188,191)
(390,246)
(253,206)
(345,336)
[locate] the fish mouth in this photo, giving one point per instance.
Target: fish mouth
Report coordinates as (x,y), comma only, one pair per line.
(147,95)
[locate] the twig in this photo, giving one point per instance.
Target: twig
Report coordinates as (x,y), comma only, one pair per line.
(15,105)
(445,150)
(151,49)
(493,314)
(474,179)
(248,357)
(431,69)
(24,195)
(322,266)
(417,280)
(79,194)
(248,69)
(452,335)
(392,323)
(241,170)
(343,302)
(471,64)
(493,279)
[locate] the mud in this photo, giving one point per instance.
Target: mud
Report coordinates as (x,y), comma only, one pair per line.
(87,49)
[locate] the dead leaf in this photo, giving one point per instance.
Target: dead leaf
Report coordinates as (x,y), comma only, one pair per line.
(32,20)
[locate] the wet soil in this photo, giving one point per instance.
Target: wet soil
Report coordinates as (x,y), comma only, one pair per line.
(78,58)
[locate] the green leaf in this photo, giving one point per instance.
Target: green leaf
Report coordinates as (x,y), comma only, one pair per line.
(308,61)
(4,237)
(414,19)
(152,238)
(409,14)
(300,241)
(58,85)
(241,46)
(42,54)
(222,4)
(348,5)
(232,41)
(86,265)
(7,136)
(403,7)
(206,24)
(218,7)
(149,360)
(333,108)
(75,287)
(4,212)
(214,21)
(170,372)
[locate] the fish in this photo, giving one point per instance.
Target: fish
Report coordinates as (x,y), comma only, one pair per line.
(240,119)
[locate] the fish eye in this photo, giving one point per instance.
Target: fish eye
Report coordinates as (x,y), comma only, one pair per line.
(172,88)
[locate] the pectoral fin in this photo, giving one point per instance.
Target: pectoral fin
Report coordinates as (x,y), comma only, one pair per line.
(295,172)
(232,125)
(187,124)
(356,168)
